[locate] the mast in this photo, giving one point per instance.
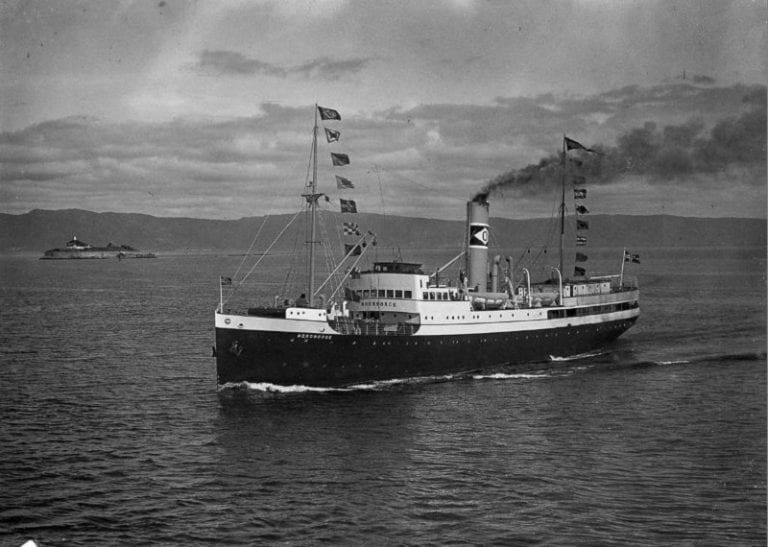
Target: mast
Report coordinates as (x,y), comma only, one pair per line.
(623,260)
(312,208)
(562,208)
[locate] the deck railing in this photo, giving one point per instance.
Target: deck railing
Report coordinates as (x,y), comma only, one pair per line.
(372,328)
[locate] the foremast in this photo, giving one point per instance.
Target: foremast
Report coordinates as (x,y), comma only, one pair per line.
(312,198)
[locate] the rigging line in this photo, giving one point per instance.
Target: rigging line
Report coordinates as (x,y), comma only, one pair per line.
(266,252)
(290,273)
(546,240)
(248,253)
(395,174)
(307,177)
(339,232)
(328,255)
(326,217)
(381,191)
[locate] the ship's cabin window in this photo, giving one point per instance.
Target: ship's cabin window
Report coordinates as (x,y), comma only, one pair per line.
(397,267)
(425,296)
(390,293)
(398,294)
(366,293)
(381,293)
(408,294)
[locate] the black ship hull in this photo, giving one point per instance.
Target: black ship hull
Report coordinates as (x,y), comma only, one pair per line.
(333,360)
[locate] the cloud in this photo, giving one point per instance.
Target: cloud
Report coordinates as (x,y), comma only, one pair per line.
(234,63)
(402,158)
(330,69)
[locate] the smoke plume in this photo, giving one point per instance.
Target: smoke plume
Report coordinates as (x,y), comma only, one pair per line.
(661,154)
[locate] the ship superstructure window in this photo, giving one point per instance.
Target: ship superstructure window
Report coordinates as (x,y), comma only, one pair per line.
(362,294)
(591,310)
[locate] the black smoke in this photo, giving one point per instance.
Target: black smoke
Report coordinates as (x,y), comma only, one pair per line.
(537,175)
(662,154)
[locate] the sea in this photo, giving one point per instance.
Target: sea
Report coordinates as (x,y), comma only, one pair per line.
(113,430)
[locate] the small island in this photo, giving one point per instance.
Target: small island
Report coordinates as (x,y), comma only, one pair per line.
(77,249)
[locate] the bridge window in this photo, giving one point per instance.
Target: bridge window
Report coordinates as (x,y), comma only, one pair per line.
(381,293)
(390,293)
(407,294)
(425,296)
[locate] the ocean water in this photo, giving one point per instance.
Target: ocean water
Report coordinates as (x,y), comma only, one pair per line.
(113,431)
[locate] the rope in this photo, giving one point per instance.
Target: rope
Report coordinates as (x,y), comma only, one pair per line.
(248,253)
(266,252)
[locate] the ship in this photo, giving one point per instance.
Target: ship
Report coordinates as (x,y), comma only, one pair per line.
(78,249)
(392,320)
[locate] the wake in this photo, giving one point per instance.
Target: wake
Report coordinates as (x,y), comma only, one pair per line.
(378,385)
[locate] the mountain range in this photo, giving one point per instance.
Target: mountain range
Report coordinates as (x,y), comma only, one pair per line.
(39,230)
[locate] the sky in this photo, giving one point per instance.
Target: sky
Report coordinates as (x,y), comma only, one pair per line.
(205,109)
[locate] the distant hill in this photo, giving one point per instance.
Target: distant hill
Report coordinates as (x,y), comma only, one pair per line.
(39,230)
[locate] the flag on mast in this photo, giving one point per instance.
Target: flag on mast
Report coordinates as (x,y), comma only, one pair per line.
(571,144)
(332,135)
(353,250)
(339,159)
(328,113)
(348,206)
(342,183)
(351,229)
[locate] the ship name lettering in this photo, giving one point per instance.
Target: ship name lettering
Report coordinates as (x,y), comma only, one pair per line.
(314,336)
